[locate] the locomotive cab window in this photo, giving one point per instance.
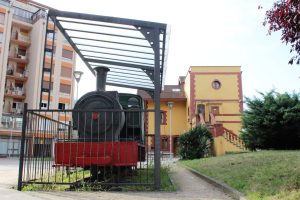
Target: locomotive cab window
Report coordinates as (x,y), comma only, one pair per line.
(133,102)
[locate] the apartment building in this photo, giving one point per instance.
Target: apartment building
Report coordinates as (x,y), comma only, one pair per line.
(22,44)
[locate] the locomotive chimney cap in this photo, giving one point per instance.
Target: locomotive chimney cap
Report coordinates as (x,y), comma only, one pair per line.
(101,73)
(101,69)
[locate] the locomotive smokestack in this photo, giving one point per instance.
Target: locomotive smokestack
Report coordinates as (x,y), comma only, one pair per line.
(101,73)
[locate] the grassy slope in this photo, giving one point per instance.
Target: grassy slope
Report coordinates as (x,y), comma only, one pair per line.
(259,175)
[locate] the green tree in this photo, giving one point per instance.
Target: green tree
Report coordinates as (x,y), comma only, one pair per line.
(272,122)
(196,143)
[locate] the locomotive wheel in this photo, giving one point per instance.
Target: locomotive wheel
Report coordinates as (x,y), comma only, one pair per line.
(100,174)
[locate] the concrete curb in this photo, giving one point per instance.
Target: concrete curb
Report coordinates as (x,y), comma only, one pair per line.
(225,188)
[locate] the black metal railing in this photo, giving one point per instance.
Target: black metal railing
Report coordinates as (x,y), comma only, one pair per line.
(22,14)
(92,150)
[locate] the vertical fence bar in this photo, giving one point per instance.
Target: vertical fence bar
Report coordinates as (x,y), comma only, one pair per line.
(21,162)
(157,109)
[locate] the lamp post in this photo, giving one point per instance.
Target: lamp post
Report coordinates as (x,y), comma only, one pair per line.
(77,75)
(170,105)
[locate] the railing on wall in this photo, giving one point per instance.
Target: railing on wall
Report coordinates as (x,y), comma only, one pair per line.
(56,150)
(233,138)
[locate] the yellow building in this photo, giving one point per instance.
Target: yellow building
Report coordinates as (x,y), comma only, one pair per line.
(210,95)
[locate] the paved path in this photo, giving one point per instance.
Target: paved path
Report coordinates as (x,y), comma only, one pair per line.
(190,187)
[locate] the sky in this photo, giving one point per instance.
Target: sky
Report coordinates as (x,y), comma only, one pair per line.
(205,33)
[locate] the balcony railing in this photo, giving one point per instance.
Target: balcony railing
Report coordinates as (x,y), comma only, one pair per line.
(17,91)
(22,15)
(9,121)
(11,72)
(18,57)
(38,15)
(27,16)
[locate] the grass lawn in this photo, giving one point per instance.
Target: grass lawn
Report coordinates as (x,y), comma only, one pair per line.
(142,177)
(267,175)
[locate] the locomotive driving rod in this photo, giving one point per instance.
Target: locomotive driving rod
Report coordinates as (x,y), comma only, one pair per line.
(101,73)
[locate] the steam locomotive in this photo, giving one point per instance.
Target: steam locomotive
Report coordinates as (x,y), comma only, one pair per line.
(110,129)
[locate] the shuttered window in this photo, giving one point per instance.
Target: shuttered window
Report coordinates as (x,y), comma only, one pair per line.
(64,88)
(66,72)
(67,54)
(47,65)
(46,85)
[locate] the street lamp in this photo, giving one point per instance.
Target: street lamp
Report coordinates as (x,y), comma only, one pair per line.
(170,105)
(77,75)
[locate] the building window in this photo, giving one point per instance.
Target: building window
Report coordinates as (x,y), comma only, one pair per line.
(163,117)
(47,65)
(164,144)
(215,110)
(52,35)
(44,105)
(66,72)
(48,53)
(64,88)
(61,106)
(46,85)
(216,84)
(21,53)
(67,54)
(2,18)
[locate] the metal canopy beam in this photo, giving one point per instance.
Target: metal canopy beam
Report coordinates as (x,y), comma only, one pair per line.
(114,20)
(125,46)
(119,64)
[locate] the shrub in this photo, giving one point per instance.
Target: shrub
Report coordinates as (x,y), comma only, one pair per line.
(196,143)
(272,122)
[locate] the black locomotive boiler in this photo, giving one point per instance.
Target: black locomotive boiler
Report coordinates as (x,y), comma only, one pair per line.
(110,129)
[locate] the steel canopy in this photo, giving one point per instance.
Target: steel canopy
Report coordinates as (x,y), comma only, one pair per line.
(132,49)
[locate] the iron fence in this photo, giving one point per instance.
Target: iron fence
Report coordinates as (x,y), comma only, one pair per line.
(76,148)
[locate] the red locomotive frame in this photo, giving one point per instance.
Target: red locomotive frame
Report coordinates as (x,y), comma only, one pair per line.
(84,154)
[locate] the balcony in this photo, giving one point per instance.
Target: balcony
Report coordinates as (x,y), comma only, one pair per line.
(11,121)
(40,14)
(20,39)
(15,93)
(22,15)
(20,77)
(17,73)
(18,57)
